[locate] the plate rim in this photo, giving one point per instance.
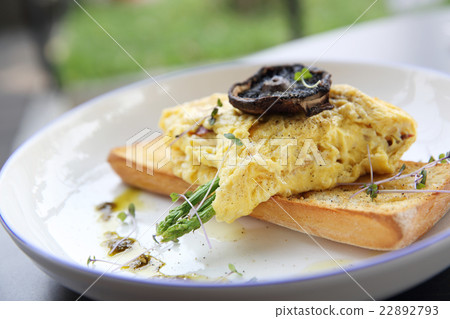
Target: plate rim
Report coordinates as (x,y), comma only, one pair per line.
(361,266)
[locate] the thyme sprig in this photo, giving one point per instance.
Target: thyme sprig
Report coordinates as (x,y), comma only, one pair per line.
(420,178)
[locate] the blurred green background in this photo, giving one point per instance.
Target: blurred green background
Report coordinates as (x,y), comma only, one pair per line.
(165,34)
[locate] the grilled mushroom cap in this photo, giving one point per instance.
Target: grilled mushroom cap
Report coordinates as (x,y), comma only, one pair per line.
(274,90)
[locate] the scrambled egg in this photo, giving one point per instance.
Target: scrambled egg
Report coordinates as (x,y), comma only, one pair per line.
(285,154)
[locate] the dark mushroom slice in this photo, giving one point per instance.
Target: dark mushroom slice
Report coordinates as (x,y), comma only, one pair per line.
(274,90)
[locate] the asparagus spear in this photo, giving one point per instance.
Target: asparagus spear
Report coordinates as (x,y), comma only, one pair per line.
(177,215)
(186,225)
(175,225)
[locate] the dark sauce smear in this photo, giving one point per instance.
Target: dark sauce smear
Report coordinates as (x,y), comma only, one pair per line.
(117,244)
(145,260)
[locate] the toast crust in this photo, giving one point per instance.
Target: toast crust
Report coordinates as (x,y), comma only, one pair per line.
(370,225)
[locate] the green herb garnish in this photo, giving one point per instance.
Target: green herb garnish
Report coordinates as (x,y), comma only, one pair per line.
(122,216)
(132,210)
(372,191)
(233,270)
(174,196)
(213,116)
(424,176)
(231,136)
(420,180)
(90,260)
(212,119)
(178,223)
(303,74)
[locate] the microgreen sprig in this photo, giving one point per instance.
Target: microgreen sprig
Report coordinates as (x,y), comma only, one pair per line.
(420,178)
(233,270)
(92,260)
(214,112)
(303,75)
(372,190)
(212,119)
(233,138)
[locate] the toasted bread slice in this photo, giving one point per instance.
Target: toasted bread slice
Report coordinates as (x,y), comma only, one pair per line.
(391,221)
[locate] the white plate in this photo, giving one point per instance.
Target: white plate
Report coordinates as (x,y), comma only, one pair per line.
(50,186)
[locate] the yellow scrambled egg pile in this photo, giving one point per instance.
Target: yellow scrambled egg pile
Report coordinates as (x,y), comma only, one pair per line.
(284,154)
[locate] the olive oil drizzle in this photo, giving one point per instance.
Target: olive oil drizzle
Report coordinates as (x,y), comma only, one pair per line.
(117,244)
